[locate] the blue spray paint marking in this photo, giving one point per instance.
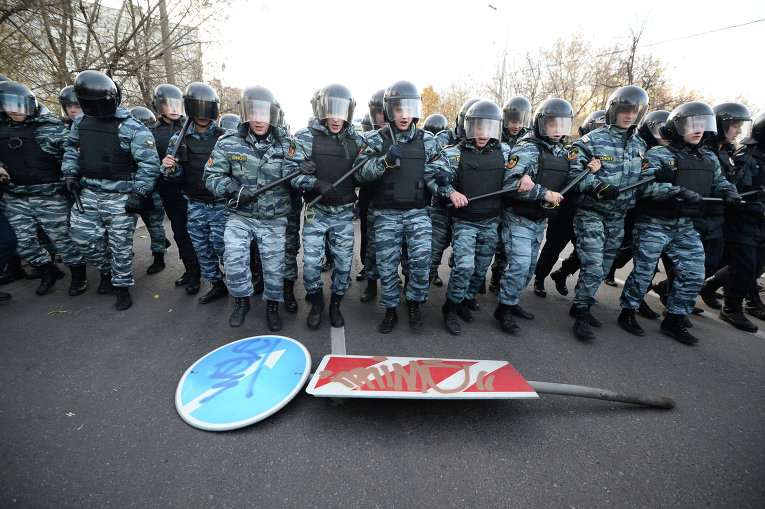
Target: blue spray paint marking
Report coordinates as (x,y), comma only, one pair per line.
(232,370)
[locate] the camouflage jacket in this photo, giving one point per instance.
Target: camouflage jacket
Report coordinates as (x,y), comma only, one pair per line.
(524,160)
(620,152)
(134,138)
(50,134)
(240,158)
(448,161)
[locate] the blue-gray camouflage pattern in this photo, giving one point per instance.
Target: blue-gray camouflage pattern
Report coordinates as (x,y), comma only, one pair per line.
(206,226)
(155,225)
(473,246)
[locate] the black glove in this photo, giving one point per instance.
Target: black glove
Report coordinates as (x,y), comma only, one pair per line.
(605,191)
(232,189)
(665,174)
(137,203)
(322,187)
(247,195)
(442,179)
(731,198)
(307,166)
(689,196)
(72,185)
(393,155)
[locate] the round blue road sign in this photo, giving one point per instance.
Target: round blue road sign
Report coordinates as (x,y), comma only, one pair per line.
(242,382)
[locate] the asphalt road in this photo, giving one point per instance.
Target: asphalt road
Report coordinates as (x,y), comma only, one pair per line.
(87,416)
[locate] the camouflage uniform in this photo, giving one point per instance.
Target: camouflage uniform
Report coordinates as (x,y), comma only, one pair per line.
(154,221)
(523,223)
(29,205)
(394,226)
(206,215)
(104,199)
(440,217)
(474,238)
(242,158)
(599,224)
(334,219)
(676,236)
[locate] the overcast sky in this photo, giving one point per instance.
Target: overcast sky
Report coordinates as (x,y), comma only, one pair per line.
(295,47)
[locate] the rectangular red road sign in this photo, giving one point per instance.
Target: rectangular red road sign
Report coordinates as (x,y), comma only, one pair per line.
(360,376)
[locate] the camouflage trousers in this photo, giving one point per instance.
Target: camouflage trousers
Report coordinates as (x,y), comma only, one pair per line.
(392,227)
(206,224)
(155,224)
(51,213)
(442,235)
(104,220)
(317,223)
(269,235)
(473,244)
(291,245)
(521,237)
(597,241)
(500,258)
(682,245)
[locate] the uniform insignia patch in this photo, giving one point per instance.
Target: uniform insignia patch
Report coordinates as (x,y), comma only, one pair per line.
(210,161)
(150,143)
(291,151)
(605,157)
(645,164)
(238,157)
(585,138)
(511,162)
(572,153)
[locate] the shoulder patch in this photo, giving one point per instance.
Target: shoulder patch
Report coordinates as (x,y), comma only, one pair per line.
(210,161)
(572,153)
(511,162)
(150,142)
(604,157)
(238,157)
(585,138)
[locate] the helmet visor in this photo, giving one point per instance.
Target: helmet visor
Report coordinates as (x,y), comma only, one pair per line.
(398,109)
(736,130)
(255,110)
(483,128)
(518,117)
(555,126)
(335,107)
(202,109)
(696,124)
(17,104)
(171,106)
(655,128)
(638,111)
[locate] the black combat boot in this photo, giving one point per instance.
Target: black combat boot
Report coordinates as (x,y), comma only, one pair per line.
(290,304)
(708,293)
(317,308)
(559,278)
(518,311)
(463,311)
(503,315)
(47,280)
(734,315)
(628,322)
(79,282)
(610,279)
(472,304)
(105,284)
(5,297)
(362,275)
(13,271)
(370,292)
(389,321)
(415,315)
(539,287)
(217,291)
(123,298)
(241,308)
(755,307)
(335,316)
(674,327)
(272,316)
(452,323)
(186,276)
(582,329)
(195,280)
(591,319)
(646,312)
(158,265)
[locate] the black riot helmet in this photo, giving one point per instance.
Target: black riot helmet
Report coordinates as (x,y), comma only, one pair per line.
(17,98)
(67,97)
(335,101)
(258,104)
(756,135)
(201,101)
(733,120)
(553,117)
(402,100)
(376,107)
(435,123)
(144,115)
(167,100)
(593,121)
(690,117)
(483,120)
(366,123)
(650,127)
(229,121)
(629,98)
(517,109)
(97,94)
(459,123)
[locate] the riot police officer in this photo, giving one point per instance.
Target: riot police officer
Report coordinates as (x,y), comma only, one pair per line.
(70,108)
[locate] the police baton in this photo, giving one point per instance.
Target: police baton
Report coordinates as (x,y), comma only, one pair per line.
(78,203)
(487,195)
(637,184)
(568,187)
(234,202)
(172,150)
(337,182)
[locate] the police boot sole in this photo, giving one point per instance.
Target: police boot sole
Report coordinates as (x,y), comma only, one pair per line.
(77,289)
(686,339)
(453,326)
(212,296)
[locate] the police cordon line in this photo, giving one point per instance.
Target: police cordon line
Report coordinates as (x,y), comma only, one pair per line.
(685,187)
